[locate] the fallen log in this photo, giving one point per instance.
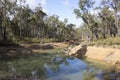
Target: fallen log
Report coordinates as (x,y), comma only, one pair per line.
(78,51)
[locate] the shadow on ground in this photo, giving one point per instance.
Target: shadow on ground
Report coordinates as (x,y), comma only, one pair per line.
(43,47)
(10,51)
(24,50)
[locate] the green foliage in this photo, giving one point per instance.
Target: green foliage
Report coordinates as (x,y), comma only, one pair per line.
(100,21)
(27,23)
(108,42)
(42,40)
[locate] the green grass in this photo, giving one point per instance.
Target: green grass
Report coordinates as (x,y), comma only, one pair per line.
(108,42)
(37,40)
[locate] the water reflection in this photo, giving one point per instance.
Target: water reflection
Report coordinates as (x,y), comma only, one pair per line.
(54,67)
(66,69)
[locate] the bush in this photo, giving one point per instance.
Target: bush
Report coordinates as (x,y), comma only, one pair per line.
(44,40)
(108,41)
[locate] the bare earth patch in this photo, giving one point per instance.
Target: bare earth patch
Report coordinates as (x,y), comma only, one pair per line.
(39,48)
(109,55)
(45,46)
(27,49)
(106,54)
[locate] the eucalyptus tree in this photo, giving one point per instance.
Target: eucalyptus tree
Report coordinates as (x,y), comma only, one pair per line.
(62,30)
(79,32)
(26,29)
(113,5)
(70,31)
(65,31)
(1,19)
(7,10)
(108,18)
(116,7)
(29,22)
(20,16)
(85,7)
(108,21)
(39,16)
(93,26)
(22,28)
(52,23)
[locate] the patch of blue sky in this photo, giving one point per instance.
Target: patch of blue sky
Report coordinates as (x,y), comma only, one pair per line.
(62,8)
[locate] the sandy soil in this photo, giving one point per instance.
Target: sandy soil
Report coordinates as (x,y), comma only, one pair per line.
(109,55)
(45,45)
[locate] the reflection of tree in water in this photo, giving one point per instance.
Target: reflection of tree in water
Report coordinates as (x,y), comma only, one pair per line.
(34,67)
(25,67)
(56,61)
(111,75)
(91,73)
(31,67)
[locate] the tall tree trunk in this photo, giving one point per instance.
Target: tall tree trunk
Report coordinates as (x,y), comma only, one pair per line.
(0,26)
(116,22)
(116,18)
(104,33)
(4,28)
(1,19)
(20,33)
(4,34)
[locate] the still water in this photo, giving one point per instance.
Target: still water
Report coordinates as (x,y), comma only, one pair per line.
(54,67)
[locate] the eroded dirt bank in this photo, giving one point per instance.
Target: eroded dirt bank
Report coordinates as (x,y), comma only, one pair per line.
(108,55)
(25,49)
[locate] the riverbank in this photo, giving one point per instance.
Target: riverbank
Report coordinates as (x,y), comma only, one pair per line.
(27,49)
(106,54)
(40,54)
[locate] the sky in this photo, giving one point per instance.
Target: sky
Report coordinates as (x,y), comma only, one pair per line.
(62,8)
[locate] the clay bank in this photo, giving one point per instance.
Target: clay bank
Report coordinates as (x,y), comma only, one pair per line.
(104,54)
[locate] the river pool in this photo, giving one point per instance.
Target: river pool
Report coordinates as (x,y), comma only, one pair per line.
(55,67)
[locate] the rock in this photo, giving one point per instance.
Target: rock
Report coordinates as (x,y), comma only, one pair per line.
(74,50)
(78,51)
